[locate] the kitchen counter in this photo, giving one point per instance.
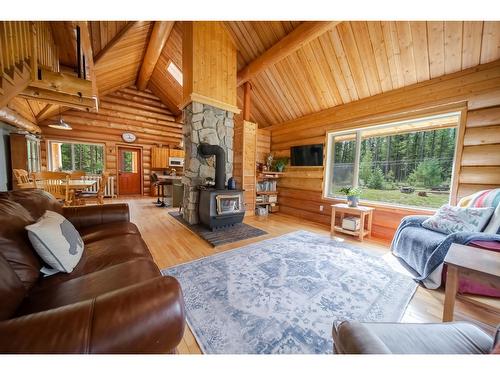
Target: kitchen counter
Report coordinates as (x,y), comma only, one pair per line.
(168,177)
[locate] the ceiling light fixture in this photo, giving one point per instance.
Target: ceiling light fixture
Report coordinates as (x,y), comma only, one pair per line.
(61,125)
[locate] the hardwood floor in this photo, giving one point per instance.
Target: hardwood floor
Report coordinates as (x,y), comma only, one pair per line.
(171,243)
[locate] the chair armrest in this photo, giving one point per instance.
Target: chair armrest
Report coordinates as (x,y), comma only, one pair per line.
(86,216)
(356,338)
(144,318)
(414,220)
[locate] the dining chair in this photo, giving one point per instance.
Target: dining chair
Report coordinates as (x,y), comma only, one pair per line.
(21,176)
(94,197)
(77,175)
(60,190)
(48,175)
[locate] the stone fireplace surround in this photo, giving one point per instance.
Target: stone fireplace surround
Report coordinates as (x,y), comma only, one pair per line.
(203,123)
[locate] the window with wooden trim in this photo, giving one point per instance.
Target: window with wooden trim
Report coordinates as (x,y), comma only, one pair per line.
(73,156)
(408,163)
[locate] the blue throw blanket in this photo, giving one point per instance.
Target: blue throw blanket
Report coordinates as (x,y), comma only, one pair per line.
(423,250)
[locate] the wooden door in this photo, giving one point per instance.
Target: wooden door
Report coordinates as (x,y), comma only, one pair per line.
(129,171)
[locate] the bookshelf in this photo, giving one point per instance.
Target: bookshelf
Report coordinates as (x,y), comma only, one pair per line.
(266,193)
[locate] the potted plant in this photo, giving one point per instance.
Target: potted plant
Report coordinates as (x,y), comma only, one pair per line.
(353,194)
(280,164)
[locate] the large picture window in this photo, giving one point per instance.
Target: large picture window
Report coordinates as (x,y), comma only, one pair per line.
(69,156)
(406,163)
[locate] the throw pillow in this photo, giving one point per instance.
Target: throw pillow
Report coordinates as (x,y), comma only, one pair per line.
(57,241)
(493,226)
(451,219)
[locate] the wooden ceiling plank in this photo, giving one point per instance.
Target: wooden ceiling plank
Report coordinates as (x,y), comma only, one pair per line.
(453,46)
(418,31)
(281,99)
(291,84)
(365,50)
(393,53)
(490,48)
(325,70)
(381,60)
(343,63)
(292,42)
(406,50)
(314,75)
(159,36)
(303,83)
(354,60)
(471,44)
(113,41)
(435,32)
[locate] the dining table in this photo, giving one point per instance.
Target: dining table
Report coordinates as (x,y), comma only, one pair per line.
(76,185)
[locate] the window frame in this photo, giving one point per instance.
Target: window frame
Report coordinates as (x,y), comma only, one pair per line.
(49,143)
(460,112)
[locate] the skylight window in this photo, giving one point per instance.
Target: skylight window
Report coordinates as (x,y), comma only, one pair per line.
(175,72)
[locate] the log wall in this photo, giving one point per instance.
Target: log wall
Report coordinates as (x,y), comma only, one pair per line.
(475,91)
(126,110)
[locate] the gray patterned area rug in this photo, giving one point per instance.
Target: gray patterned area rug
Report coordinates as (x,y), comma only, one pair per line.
(220,236)
(282,295)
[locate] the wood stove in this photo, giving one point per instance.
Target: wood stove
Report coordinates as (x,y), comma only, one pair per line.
(219,207)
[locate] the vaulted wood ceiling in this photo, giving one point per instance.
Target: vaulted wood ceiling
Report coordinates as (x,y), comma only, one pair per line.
(351,61)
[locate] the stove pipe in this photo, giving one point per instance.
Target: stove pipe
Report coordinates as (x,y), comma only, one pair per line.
(206,151)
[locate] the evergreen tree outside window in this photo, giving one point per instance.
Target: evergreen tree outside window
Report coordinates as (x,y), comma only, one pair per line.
(69,156)
(406,163)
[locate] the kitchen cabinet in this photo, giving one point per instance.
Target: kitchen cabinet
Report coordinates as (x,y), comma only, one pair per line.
(175,153)
(159,157)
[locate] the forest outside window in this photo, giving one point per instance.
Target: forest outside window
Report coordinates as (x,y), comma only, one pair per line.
(70,156)
(407,163)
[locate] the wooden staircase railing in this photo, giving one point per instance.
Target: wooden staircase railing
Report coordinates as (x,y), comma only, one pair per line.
(29,67)
(15,55)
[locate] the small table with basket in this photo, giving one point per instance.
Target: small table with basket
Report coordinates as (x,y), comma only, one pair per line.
(359,229)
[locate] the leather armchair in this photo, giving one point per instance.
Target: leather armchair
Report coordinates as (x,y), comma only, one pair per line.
(410,338)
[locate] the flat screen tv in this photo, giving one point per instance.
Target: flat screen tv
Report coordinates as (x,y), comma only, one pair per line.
(308,155)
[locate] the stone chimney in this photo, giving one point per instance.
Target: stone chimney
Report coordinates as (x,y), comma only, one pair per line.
(203,123)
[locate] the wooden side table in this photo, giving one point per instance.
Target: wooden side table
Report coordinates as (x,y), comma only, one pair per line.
(362,211)
(473,263)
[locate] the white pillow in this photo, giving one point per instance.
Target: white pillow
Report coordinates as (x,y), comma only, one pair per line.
(494,224)
(451,219)
(57,241)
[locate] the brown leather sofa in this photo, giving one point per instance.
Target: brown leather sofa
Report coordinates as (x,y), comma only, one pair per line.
(114,301)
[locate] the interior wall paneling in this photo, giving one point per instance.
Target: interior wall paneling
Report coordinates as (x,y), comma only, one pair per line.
(153,126)
(209,65)
(478,149)
(480,162)
(245,151)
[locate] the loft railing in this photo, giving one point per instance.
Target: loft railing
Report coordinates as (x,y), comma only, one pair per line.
(30,43)
(29,67)
(46,48)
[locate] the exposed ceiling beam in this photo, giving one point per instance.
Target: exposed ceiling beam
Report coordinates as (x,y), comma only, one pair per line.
(113,42)
(159,36)
(13,118)
(302,35)
(49,111)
